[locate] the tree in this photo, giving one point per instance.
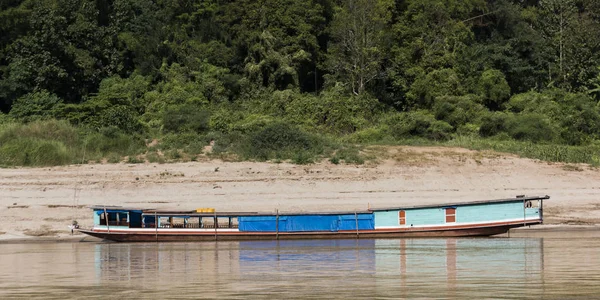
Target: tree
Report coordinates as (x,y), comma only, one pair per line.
(558,18)
(429,35)
(358,32)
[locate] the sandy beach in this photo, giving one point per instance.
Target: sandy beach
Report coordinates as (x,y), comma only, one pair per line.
(40,203)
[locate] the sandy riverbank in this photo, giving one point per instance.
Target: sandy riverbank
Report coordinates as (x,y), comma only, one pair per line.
(40,203)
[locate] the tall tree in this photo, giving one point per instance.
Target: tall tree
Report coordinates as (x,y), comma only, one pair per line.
(357,50)
(558,19)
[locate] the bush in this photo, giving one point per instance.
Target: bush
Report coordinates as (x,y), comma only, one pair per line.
(458,110)
(493,124)
(439,131)
(419,124)
(283,141)
(579,120)
(468,130)
(493,88)
(223,117)
(426,89)
(186,118)
(531,127)
(370,135)
(35,106)
(333,110)
(119,116)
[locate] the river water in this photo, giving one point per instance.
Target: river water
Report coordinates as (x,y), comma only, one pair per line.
(516,268)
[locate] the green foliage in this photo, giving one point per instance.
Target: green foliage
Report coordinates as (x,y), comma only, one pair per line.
(33,152)
(357,51)
(282,141)
(458,110)
(35,106)
(184,73)
(376,134)
(185,118)
(531,127)
(190,143)
(425,89)
(419,124)
(493,124)
(108,141)
(493,88)
(39,143)
(117,116)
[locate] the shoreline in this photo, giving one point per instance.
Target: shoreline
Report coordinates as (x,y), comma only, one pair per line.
(536,231)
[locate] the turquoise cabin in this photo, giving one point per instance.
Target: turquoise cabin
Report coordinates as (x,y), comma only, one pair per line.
(465,213)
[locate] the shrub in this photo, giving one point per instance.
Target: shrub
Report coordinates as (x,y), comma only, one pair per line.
(35,106)
(222,118)
(493,88)
(439,131)
(468,130)
(458,110)
(493,124)
(186,118)
(119,116)
(531,127)
(579,120)
(281,140)
(426,89)
(419,124)
(370,135)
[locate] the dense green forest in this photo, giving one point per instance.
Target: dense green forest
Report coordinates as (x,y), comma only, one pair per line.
(300,80)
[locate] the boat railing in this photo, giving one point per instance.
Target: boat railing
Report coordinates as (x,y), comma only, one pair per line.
(118,223)
(196,226)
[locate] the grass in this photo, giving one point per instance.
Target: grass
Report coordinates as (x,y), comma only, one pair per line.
(51,142)
(546,152)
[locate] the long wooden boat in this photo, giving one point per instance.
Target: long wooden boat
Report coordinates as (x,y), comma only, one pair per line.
(477,218)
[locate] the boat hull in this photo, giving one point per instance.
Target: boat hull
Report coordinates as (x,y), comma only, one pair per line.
(133,235)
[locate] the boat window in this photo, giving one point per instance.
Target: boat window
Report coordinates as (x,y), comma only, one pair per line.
(193,222)
(149,222)
(114,219)
(178,222)
(102,219)
(234,222)
(402,217)
(450,215)
(164,222)
(224,222)
(208,222)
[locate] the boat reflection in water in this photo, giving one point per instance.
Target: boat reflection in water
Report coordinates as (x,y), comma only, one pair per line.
(313,268)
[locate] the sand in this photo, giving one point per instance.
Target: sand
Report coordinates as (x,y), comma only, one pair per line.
(40,203)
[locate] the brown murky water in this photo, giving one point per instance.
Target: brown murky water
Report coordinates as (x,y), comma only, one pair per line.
(517,268)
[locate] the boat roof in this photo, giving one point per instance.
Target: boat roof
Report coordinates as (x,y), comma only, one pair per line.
(449,204)
(187,213)
(115,207)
